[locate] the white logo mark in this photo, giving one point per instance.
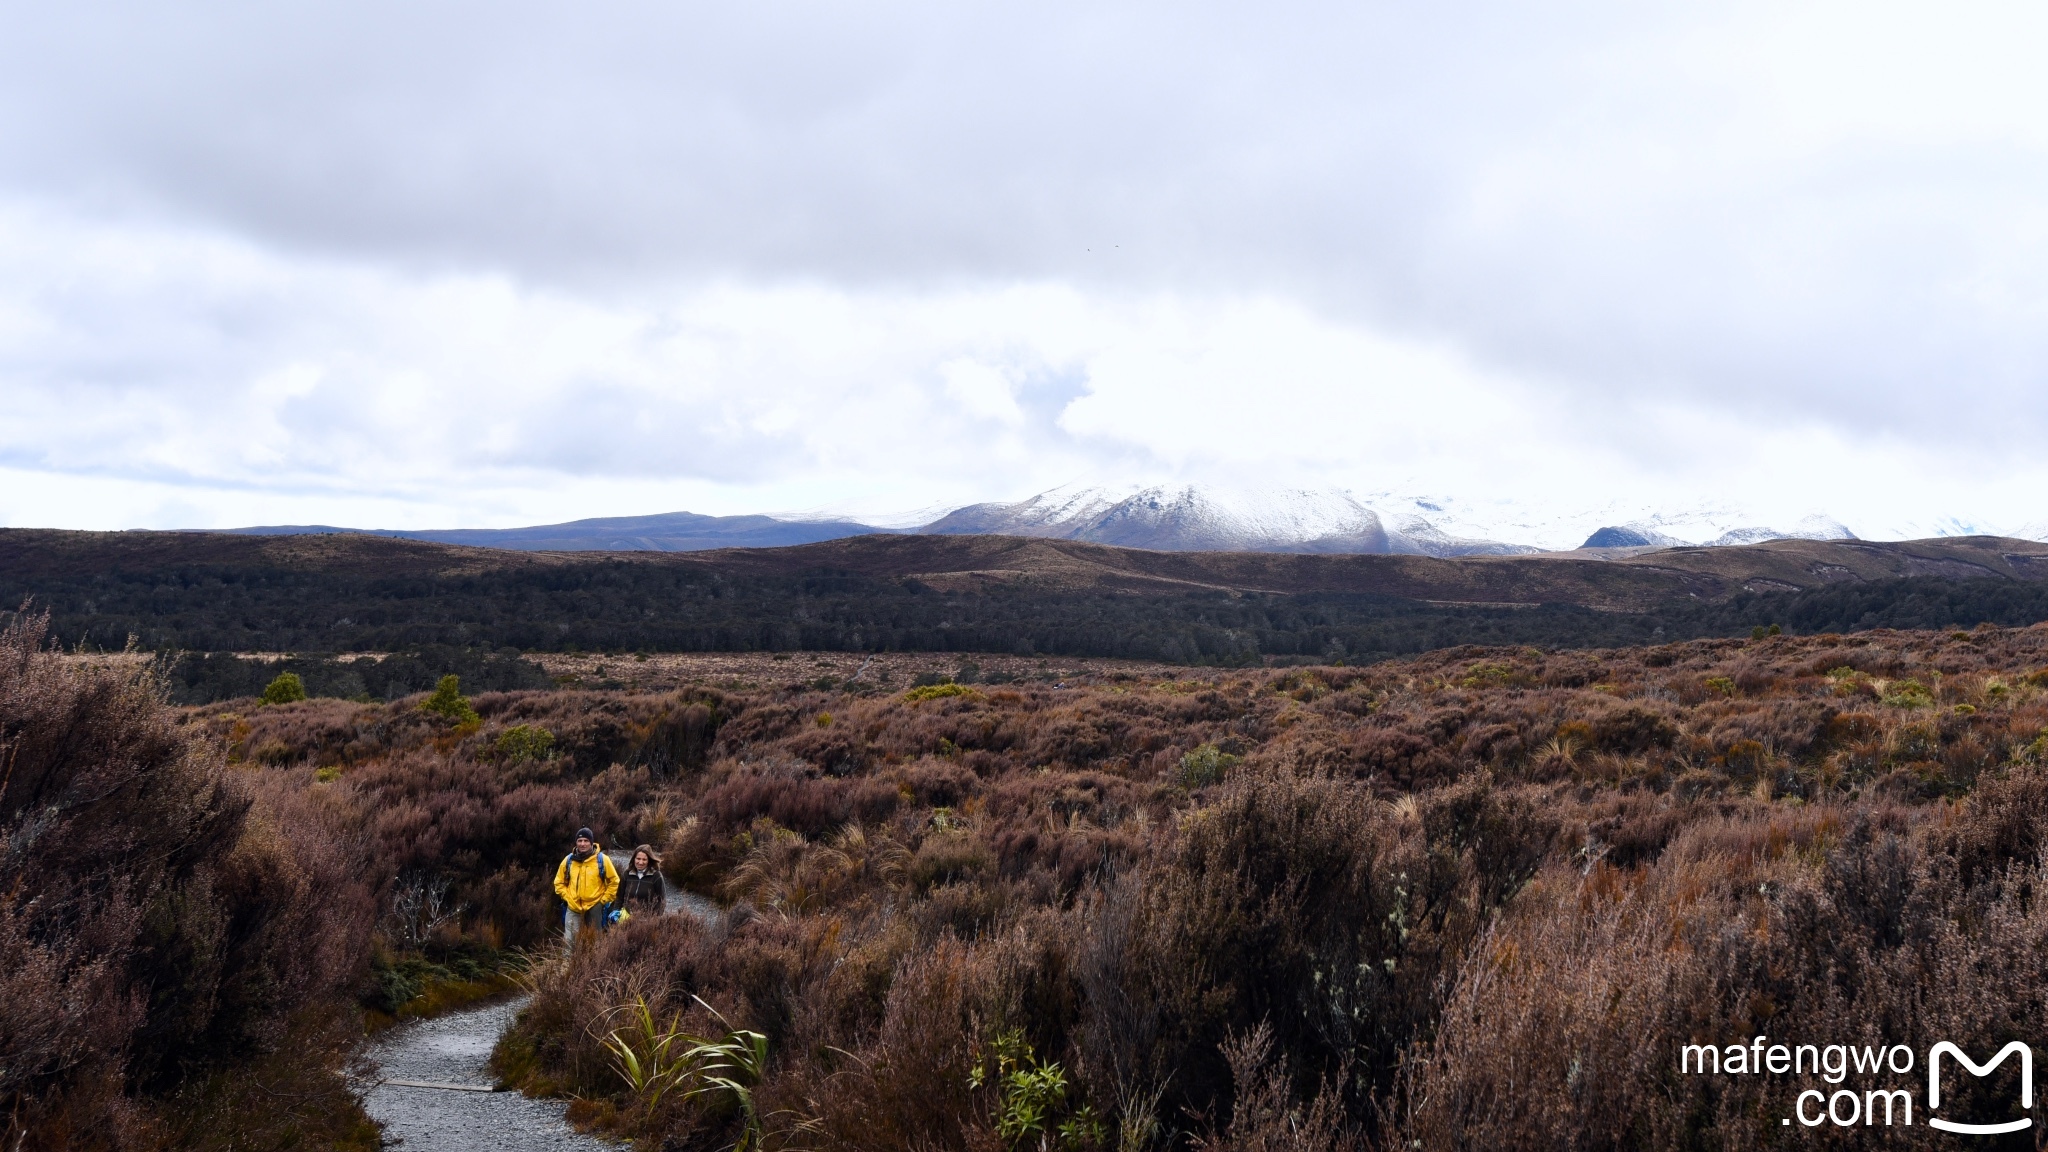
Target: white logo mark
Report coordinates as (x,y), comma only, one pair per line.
(1976,1069)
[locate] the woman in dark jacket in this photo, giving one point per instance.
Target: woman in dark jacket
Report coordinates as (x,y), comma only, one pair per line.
(642,891)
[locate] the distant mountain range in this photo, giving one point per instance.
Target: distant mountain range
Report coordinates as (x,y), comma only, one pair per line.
(668,532)
(1188,518)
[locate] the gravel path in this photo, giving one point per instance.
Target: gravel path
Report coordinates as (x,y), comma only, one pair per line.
(454,1050)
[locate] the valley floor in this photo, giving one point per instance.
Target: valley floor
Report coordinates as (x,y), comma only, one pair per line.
(753,670)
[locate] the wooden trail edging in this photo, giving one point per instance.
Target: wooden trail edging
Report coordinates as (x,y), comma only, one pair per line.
(438,1084)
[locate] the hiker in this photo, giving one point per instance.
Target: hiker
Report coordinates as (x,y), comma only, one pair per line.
(587,882)
(641,889)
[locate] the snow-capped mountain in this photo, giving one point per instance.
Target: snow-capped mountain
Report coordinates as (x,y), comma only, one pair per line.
(1214,518)
(1615,524)
(1197,518)
(1650,533)
(1201,518)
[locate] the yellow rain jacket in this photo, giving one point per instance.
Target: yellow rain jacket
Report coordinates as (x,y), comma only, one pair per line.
(585,884)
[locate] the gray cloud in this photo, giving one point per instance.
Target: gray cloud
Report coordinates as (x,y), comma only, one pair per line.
(1826,216)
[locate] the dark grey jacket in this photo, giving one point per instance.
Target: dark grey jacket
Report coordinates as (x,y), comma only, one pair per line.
(643,893)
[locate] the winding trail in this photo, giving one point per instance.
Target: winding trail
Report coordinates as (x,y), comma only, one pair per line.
(434,1085)
(453,1050)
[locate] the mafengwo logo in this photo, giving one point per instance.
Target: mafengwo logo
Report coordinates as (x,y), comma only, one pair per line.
(1891,1102)
(2015,1048)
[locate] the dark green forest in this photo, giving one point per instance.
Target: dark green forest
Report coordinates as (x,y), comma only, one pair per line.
(467,624)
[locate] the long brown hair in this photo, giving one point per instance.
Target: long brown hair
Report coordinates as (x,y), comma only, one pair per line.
(653,858)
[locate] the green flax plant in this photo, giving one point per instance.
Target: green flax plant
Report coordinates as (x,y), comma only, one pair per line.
(657,1059)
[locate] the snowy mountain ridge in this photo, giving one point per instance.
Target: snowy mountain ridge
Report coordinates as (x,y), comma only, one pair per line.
(1207,518)
(1194,517)
(1203,519)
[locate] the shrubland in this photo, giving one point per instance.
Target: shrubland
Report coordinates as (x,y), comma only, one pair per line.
(440,610)
(177,940)
(1476,898)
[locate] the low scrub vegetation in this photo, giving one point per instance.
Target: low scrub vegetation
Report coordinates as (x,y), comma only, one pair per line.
(1478,898)
(1429,904)
(177,939)
(188,595)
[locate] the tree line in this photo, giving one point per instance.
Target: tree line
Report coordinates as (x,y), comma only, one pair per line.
(622,607)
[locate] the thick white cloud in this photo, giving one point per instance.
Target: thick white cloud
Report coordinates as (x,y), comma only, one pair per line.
(454,263)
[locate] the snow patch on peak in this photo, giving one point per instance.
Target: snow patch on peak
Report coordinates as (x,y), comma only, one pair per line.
(1747,536)
(1196,518)
(1417,536)
(1199,517)
(1808,528)
(1818,527)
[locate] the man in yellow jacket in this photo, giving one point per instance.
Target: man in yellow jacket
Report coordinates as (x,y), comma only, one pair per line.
(587,882)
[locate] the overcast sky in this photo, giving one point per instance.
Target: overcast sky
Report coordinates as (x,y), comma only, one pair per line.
(431,264)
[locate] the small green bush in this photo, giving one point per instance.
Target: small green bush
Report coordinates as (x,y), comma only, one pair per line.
(1205,765)
(524,742)
(1032,1108)
(2034,753)
(394,982)
(287,688)
(1721,684)
(1494,676)
(938,691)
(448,701)
(1909,694)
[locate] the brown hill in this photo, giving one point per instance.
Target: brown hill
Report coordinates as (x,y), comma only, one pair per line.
(965,562)
(1552,578)
(31,553)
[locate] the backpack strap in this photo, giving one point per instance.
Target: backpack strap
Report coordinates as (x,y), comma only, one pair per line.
(601,863)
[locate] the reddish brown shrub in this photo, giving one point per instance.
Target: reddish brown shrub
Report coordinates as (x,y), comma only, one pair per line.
(155,929)
(794,797)
(1469,899)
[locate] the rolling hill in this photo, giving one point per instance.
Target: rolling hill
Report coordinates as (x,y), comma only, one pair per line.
(360,593)
(1626,582)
